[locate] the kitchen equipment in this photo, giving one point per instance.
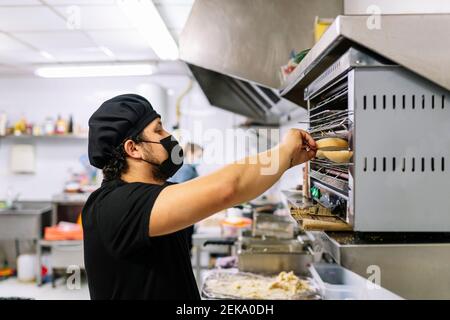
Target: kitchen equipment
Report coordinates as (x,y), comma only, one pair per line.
(414,266)
(270,225)
(26,220)
(338,156)
(270,255)
(220,59)
(372,88)
(353,100)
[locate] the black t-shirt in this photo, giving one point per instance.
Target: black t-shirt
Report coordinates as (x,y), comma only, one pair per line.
(121,260)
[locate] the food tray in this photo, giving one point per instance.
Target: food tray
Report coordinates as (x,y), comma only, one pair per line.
(219,278)
(270,225)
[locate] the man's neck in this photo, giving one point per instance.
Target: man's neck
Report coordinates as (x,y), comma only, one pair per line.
(144,177)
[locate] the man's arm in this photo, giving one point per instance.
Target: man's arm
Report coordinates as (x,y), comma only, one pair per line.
(179,206)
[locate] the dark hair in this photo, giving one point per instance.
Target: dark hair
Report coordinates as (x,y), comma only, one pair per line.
(118,162)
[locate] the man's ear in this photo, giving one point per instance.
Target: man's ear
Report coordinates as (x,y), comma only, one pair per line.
(131,149)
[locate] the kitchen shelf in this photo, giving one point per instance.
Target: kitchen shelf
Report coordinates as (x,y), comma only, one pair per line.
(55,137)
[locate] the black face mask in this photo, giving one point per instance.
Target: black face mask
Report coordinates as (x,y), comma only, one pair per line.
(175,160)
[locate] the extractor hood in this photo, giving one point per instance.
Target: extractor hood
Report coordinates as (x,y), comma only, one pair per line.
(261,105)
(417,42)
(235,50)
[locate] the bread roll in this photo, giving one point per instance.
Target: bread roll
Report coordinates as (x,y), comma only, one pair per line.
(342,156)
(336,225)
(320,155)
(332,144)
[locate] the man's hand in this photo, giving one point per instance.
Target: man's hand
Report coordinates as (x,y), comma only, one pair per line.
(301,145)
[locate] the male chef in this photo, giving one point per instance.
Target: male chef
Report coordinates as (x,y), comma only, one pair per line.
(135,224)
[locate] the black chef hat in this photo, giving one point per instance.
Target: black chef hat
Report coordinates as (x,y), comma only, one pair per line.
(119,118)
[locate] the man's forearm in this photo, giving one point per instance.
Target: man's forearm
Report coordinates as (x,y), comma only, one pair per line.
(256,174)
(181,205)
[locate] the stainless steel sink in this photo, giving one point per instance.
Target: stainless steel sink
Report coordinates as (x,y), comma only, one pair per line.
(27,207)
(26,220)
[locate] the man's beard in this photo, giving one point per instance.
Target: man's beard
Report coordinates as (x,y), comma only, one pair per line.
(156,170)
(158,175)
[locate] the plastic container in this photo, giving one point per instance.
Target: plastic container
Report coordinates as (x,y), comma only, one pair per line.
(232,226)
(336,282)
(26,267)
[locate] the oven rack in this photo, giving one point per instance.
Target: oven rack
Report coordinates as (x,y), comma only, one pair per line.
(333,181)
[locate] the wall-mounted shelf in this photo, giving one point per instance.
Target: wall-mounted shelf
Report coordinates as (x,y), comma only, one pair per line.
(43,137)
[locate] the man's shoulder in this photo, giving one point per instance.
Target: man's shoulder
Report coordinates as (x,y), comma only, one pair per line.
(119,196)
(123,190)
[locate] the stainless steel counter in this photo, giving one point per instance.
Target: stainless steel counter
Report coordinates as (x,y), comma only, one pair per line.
(411,270)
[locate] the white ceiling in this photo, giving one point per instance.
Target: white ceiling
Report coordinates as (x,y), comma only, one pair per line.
(31,28)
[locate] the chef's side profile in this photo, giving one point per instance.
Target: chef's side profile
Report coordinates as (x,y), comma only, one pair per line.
(134,225)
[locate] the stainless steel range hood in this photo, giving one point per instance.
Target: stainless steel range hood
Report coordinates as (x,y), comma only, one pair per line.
(418,42)
(235,49)
(261,105)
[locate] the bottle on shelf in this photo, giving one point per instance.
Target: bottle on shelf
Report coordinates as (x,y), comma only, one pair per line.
(3,123)
(20,127)
(61,126)
(70,126)
(37,130)
(49,126)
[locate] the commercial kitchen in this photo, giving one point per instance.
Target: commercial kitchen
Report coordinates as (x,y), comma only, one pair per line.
(367,217)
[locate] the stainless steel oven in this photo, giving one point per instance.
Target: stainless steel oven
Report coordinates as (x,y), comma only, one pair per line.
(398,128)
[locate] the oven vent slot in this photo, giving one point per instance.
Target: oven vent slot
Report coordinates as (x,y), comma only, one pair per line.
(414,164)
(403,102)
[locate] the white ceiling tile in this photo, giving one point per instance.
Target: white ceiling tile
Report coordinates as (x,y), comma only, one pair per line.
(80,2)
(81,55)
(54,40)
(135,55)
(19,3)
(98,17)
(12,71)
(119,38)
(175,16)
(174,2)
(14,52)
(29,19)
(20,57)
(102,20)
(9,44)
(125,44)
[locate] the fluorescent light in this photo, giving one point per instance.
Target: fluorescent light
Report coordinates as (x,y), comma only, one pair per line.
(145,17)
(46,55)
(111,70)
(107,51)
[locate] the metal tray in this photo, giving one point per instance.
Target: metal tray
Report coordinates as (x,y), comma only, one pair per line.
(270,225)
(234,275)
